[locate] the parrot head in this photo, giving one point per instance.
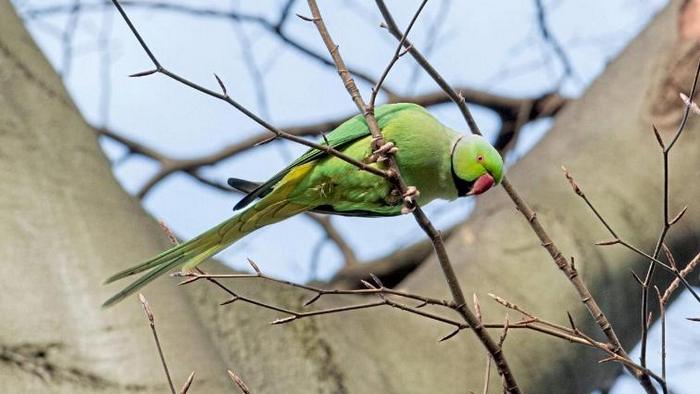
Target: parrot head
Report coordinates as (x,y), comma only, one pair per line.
(476,165)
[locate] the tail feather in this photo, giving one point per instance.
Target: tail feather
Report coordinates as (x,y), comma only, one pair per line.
(174,252)
(142,281)
(188,254)
(269,210)
(243,185)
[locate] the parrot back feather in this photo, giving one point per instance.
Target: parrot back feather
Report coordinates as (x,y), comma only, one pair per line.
(348,132)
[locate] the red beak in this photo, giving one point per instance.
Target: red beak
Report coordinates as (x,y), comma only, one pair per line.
(482,184)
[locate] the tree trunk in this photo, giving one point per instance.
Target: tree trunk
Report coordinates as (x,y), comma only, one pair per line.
(66,225)
(59,192)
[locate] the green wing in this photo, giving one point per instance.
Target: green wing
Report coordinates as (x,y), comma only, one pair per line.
(348,132)
(247,187)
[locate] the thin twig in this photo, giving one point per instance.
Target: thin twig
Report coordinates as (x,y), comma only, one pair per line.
(223,96)
(276,29)
(618,240)
(547,35)
(507,108)
(529,322)
(667,222)
(67,39)
(188,383)
(196,275)
(294,315)
(152,324)
(684,273)
(662,316)
(397,54)
(574,335)
(238,382)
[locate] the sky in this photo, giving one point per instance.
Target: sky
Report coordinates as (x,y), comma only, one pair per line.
(494,46)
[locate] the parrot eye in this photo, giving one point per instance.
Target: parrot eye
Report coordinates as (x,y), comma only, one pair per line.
(480,158)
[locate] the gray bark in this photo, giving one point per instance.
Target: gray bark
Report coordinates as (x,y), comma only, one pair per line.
(67,225)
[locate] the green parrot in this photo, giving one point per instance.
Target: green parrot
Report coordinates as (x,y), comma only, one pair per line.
(439,162)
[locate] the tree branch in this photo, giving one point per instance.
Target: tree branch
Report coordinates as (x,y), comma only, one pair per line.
(452,281)
(520,203)
(667,221)
(507,108)
(274,28)
(547,35)
(334,235)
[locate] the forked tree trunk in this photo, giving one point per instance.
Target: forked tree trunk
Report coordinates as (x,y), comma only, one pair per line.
(66,225)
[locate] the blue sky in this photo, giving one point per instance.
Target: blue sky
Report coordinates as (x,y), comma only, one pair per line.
(494,47)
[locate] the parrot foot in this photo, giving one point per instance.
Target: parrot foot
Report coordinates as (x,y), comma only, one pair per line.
(409,199)
(388,148)
(380,154)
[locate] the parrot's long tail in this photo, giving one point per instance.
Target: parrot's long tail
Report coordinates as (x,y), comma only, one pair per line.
(197,250)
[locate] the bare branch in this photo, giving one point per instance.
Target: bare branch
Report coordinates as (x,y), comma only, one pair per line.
(547,35)
(239,382)
(152,324)
(226,98)
(334,235)
(690,267)
(274,28)
(520,203)
(667,222)
(421,218)
(662,316)
(375,290)
(397,54)
(188,383)
(506,107)
(628,245)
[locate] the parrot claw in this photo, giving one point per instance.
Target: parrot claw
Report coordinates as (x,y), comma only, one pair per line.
(379,155)
(389,148)
(409,199)
(411,193)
